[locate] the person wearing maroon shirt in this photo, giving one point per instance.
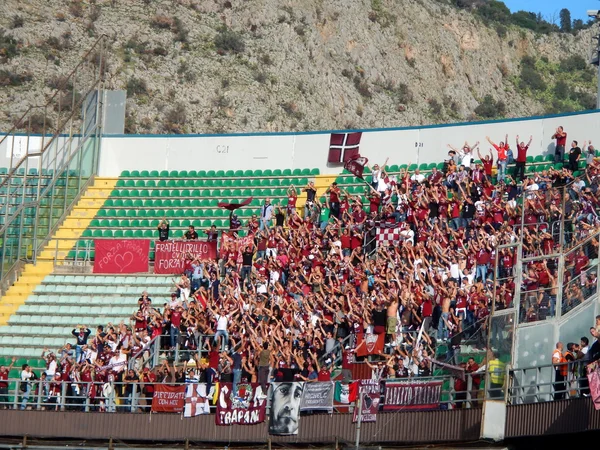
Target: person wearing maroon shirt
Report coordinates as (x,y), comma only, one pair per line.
(483,259)
(292,197)
(561,141)
(4,384)
(175,324)
(521,158)
(334,200)
(347,363)
(580,262)
(487,163)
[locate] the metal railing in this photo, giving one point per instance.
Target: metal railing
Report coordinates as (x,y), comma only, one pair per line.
(136,396)
(48,171)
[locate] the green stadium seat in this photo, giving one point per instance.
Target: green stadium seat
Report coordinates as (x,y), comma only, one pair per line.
(297,172)
(125,174)
(248,173)
(314,172)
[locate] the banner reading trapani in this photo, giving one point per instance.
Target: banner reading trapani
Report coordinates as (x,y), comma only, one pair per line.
(411,395)
(246,406)
(121,255)
(169,256)
(168,399)
(369,392)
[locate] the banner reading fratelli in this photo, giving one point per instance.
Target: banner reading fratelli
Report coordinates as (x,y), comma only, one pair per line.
(369,344)
(411,395)
(369,394)
(246,406)
(168,399)
(121,255)
(169,256)
(318,396)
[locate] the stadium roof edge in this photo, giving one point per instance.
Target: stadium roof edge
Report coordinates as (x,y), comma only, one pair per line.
(364,130)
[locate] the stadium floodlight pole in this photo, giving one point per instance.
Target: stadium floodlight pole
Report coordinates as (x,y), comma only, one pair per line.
(595,14)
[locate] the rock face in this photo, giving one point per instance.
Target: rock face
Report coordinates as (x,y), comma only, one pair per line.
(265,65)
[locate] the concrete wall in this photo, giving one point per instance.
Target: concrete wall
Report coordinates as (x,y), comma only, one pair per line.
(309,150)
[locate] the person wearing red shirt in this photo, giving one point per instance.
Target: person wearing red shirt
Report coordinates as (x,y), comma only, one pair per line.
(334,200)
(147,379)
(4,384)
(291,199)
(487,163)
(502,150)
(521,158)
(581,261)
(561,141)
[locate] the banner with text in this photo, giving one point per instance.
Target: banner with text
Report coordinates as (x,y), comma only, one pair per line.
(169,256)
(411,395)
(369,344)
(168,399)
(121,255)
(246,406)
(369,393)
(318,396)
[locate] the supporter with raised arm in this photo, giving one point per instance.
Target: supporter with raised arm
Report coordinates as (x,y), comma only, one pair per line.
(561,141)
(465,153)
(163,230)
(521,158)
(502,149)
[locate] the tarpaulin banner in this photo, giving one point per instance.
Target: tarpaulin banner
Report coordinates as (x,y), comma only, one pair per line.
(369,393)
(411,395)
(168,399)
(284,414)
(369,344)
(246,406)
(196,400)
(121,255)
(169,256)
(318,396)
(229,241)
(594,382)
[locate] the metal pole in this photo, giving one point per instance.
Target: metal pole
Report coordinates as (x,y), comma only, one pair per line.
(359,418)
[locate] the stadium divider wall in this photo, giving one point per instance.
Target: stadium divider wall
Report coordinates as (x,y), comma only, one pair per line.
(309,150)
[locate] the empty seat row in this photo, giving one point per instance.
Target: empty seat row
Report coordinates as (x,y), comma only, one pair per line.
(130,301)
(87,290)
(69,320)
(218,173)
(38,330)
(142,280)
(61,309)
(209,183)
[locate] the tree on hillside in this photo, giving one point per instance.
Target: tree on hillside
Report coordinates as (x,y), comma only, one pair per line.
(565,20)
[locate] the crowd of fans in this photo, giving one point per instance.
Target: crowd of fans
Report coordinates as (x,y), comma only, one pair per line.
(292,302)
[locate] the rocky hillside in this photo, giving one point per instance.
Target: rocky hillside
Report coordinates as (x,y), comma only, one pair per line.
(207,66)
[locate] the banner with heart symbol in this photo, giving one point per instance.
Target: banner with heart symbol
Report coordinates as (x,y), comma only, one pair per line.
(121,255)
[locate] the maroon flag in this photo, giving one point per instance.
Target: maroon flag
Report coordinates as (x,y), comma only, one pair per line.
(343,147)
(234,206)
(356,166)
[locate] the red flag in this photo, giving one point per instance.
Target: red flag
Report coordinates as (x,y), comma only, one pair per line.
(373,344)
(343,147)
(234,206)
(356,166)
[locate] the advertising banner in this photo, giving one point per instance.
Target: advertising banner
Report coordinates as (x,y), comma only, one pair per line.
(169,256)
(168,399)
(246,406)
(121,255)
(318,396)
(411,395)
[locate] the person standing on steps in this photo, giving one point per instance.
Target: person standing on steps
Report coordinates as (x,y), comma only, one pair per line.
(561,142)
(521,158)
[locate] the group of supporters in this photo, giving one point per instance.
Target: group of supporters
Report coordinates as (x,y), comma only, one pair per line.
(292,301)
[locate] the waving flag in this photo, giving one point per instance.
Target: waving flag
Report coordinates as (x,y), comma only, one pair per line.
(343,147)
(356,166)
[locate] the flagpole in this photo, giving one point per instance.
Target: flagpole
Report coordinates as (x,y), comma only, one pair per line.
(361,393)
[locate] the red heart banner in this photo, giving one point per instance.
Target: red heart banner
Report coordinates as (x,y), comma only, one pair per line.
(121,255)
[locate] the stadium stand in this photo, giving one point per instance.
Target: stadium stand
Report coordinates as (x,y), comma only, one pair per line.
(325,273)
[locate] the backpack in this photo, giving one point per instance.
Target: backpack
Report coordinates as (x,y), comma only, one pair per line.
(510,157)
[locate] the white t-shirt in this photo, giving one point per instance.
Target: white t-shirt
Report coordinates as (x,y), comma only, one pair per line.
(222,323)
(51,370)
(419,178)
